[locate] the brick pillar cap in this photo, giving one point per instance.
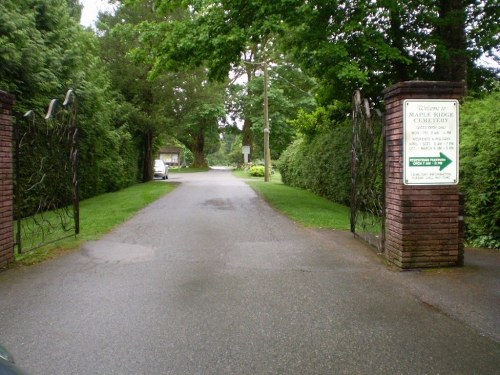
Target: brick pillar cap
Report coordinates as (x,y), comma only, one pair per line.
(6,98)
(426,89)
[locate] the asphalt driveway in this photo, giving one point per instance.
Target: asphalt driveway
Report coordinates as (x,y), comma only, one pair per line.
(211,280)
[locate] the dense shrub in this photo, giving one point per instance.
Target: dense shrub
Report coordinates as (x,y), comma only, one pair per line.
(109,153)
(289,164)
(257,171)
(321,165)
(480,169)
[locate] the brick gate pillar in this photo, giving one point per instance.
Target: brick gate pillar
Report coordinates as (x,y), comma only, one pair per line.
(6,180)
(423,223)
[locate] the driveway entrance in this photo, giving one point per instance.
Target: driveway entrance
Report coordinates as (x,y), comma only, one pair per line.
(211,280)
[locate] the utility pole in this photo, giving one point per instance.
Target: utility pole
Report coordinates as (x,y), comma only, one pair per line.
(266,127)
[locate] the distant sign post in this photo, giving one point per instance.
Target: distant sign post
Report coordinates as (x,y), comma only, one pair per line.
(431,146)
(245,151)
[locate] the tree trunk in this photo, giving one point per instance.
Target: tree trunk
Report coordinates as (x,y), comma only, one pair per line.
(248,136)
(200,160)
(451,58)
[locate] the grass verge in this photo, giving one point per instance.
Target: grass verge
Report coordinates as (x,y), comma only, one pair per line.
(99,215)
(187,170)
(300,205)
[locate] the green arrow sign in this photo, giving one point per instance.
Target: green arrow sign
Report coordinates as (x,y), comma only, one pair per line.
(442,161)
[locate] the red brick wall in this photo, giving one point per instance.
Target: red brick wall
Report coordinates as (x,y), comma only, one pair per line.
(424,227)
(6,173)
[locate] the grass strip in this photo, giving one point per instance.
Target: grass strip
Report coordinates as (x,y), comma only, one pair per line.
(187,170)
(300,205)
(99,215)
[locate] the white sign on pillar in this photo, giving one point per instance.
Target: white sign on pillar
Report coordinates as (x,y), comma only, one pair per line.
(430,151)
(246,151)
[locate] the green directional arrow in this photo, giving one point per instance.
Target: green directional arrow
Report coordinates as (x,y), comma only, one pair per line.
(442,161)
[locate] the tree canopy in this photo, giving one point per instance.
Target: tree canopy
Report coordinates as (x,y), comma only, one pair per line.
(191,71)
(345,45)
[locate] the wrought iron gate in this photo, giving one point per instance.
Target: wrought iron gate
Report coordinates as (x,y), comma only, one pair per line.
(367,173)
(46,193)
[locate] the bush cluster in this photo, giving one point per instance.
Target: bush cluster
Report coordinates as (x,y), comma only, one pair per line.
(257,171)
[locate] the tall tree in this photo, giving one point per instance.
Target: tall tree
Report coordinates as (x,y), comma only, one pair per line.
(372,44)
(145,94)
(43,53)
(37,50)
(451,55)
(198,109)
(345,44)
(289,91)
(202,33)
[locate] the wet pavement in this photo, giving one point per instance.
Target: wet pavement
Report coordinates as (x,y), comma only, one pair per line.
(210,280)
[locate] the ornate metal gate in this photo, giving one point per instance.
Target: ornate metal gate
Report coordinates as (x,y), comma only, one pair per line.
(367,173)
(46,193)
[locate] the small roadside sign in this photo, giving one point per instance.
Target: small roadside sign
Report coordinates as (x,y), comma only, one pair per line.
(430,151)
(245,151)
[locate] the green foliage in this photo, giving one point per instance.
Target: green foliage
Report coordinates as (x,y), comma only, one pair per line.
(38,50)
(43,53)
(197,110)
(229,152)
(310,124)
(257,171)
(480,169)
(345,45)
(290,91)
(148,100)
(175,101)
(109,153)
(348,45)
(290,165)
(322,164)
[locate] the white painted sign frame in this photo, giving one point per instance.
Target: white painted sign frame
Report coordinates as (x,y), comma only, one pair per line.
(430,141)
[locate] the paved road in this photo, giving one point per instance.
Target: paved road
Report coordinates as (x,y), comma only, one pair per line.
(210,280)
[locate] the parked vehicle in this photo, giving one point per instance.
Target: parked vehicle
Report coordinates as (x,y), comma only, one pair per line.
(7,366)
(161,169)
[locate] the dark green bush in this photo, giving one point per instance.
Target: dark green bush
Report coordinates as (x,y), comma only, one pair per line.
(322,165)
(290,165)
(480,169)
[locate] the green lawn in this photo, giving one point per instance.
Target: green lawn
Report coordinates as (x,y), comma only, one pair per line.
(99,215)
(300,205)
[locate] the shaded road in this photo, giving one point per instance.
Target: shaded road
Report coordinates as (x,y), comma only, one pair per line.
(210,280)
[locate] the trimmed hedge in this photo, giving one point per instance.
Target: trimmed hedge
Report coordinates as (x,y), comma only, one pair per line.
(321,165)
(480,169)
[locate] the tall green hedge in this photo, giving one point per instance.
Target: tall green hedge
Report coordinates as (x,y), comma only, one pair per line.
(320,162)
(321,165)
(480,169)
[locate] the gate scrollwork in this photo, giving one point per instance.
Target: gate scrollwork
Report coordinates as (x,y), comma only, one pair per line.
(46,192)
(367,173)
